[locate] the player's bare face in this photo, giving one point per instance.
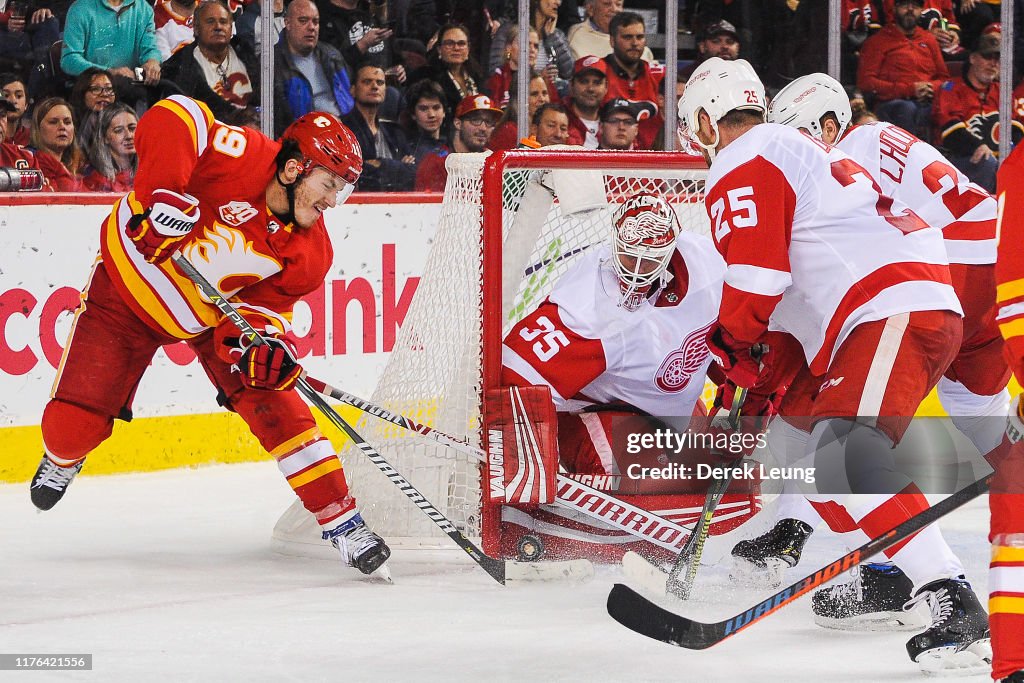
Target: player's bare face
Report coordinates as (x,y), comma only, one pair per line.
(589,89)
(57,130)
(723,45)
(429,115)
(213,29)
(100,93)
(14,93)
(316,193)
(121,135)
(629,43)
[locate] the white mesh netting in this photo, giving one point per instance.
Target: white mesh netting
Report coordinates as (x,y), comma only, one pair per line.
(435,373)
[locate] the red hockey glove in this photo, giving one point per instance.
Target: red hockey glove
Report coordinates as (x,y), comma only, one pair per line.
(740,367)
(159,228)
(754,404)
(271,366)
(740,440)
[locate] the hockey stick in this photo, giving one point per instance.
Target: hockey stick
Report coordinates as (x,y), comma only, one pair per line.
(571,494)
(639,614)
(495,568)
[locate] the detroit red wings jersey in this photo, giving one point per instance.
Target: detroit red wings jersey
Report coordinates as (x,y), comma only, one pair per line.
(916,174)
(588,349)
(813,248)
(261,263)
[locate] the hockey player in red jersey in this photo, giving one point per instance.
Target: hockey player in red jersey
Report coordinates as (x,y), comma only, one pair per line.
(1006,501)
(247,212)
(814,249)
(622,336)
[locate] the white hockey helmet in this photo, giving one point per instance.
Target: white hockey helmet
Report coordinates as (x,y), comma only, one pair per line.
(645,229)
(802,103)
(719,86)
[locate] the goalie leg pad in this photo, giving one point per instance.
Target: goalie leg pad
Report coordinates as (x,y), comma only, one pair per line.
(521,444)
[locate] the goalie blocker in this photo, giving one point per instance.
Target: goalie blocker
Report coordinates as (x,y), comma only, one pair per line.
(524,439)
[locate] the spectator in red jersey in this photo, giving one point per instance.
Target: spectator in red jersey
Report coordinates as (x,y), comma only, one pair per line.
(900,66)
(937,17)
(619,126)
(12,89)
(16,156)
(631,78)
(506,134)
(112,157)
(587,90)
(53,140)
(475,118)
(966,115)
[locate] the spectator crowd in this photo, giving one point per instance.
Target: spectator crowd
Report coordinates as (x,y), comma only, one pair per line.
(418,79)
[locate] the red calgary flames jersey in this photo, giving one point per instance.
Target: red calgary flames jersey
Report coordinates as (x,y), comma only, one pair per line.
(263,264)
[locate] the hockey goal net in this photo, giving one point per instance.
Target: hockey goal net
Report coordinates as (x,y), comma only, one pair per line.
(511,224)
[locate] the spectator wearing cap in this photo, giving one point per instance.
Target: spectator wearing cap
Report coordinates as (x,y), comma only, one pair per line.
(631,78)
(719,39)
(587,91)
(966,116)
(388,163)
(619,125)
(900,67)
(475,119)
(592,37)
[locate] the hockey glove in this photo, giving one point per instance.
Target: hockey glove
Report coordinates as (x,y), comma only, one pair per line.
(740,367)
(271,366)
(159,228)
(734,441)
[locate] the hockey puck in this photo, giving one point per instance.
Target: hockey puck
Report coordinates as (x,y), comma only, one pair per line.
(530,548)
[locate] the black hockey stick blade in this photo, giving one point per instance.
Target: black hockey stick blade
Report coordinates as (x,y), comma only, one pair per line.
(639,614)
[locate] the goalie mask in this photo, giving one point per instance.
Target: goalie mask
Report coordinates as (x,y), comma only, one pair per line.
(645,232)
(804,102)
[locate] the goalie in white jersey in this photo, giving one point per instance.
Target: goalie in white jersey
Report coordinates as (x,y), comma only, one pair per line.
(815,249)
(623,333)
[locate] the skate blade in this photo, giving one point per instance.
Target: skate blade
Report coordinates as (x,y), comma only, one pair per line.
(974,660)
(876,621)
(746,573)
(383,574)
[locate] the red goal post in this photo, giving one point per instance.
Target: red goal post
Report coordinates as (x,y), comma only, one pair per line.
(511,224)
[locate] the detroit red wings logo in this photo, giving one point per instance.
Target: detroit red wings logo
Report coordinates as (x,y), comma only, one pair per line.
(678,367)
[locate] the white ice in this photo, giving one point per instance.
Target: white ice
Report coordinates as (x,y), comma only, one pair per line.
(170,576)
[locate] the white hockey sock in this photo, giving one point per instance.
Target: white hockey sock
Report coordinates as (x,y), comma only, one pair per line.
(977,417)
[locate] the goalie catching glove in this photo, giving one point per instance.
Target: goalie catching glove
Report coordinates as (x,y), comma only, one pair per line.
(157,230)
(269,367)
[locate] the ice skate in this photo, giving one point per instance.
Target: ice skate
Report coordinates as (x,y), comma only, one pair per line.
(1015,677)
(957,641)
(873,601)
(51,481)
(360,547)
(763,559)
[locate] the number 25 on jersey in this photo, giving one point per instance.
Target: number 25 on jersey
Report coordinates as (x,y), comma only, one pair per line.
(735,210)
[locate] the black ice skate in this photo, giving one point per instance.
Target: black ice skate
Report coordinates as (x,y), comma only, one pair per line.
(958,638)
(51,481)
(873,601)
(359,547)
(1015,677)
(785,542)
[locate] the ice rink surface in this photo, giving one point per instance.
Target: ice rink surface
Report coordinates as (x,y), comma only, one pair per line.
(170,577)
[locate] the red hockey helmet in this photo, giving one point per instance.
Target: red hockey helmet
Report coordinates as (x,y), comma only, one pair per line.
(326,141)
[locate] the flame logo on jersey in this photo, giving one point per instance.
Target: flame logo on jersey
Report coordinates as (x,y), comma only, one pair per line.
(678,367)
(227,259)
